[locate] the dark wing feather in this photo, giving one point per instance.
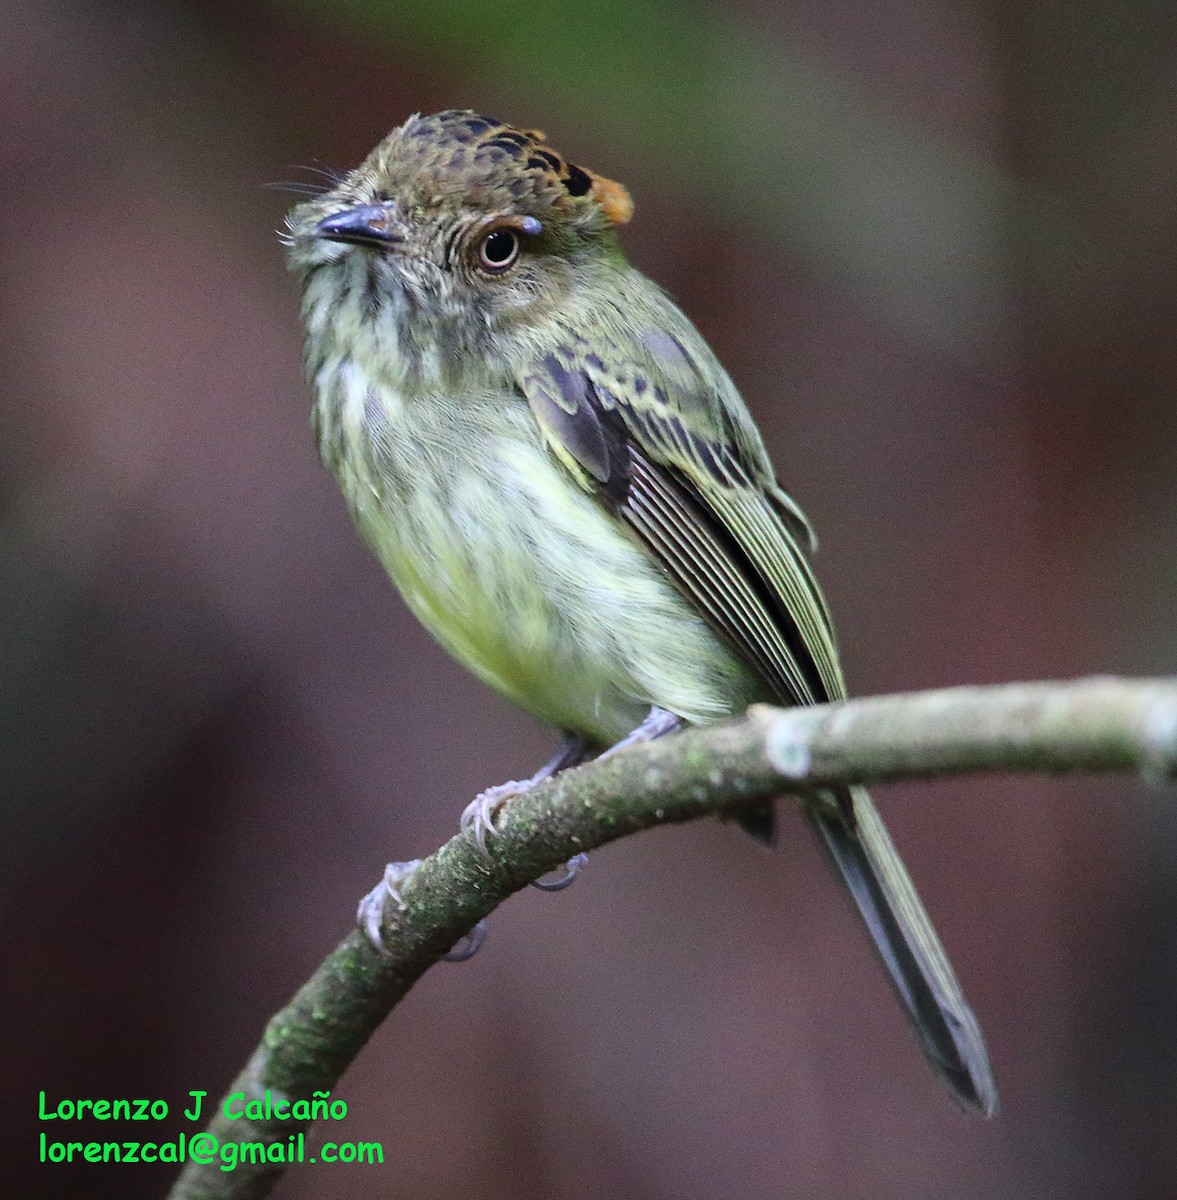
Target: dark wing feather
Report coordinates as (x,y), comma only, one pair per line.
(666,459)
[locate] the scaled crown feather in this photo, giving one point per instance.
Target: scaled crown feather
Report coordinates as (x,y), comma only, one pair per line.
(461,150)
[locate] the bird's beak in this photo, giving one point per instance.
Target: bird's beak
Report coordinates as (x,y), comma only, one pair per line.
(364,225)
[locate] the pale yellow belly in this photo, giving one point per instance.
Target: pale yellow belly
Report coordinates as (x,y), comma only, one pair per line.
(531,584)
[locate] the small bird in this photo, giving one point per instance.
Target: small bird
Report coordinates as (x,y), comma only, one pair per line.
(568,491)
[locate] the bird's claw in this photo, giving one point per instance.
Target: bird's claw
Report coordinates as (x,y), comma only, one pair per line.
(468,946)
(477,821)
(564,876)
(370,914)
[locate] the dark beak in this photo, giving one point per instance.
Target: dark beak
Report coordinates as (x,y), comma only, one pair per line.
(364,225)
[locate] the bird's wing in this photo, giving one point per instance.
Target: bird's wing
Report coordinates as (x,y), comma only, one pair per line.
(683,467)
(678,460)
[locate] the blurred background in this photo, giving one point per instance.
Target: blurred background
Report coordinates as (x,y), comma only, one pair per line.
(934,244)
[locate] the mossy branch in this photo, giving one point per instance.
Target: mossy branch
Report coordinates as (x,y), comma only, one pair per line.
(1089,725)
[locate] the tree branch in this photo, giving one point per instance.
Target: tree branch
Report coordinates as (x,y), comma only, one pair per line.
(1089,726)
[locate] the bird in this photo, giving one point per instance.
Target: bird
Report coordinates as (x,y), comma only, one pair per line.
(571,495)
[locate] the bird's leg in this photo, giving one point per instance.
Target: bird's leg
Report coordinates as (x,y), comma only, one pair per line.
(658,723)
(571,754)
(478,819)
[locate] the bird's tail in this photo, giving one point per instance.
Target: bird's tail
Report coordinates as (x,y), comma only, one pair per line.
(861,850)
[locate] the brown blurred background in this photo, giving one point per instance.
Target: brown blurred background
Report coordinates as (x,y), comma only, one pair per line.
(935,245)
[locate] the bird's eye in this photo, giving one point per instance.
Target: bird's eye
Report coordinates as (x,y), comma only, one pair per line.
(498,251)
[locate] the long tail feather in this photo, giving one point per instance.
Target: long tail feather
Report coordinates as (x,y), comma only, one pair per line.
(911,952)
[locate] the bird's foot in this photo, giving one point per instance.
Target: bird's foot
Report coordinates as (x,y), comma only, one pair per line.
(477,825)
(370,913)
(477,821)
